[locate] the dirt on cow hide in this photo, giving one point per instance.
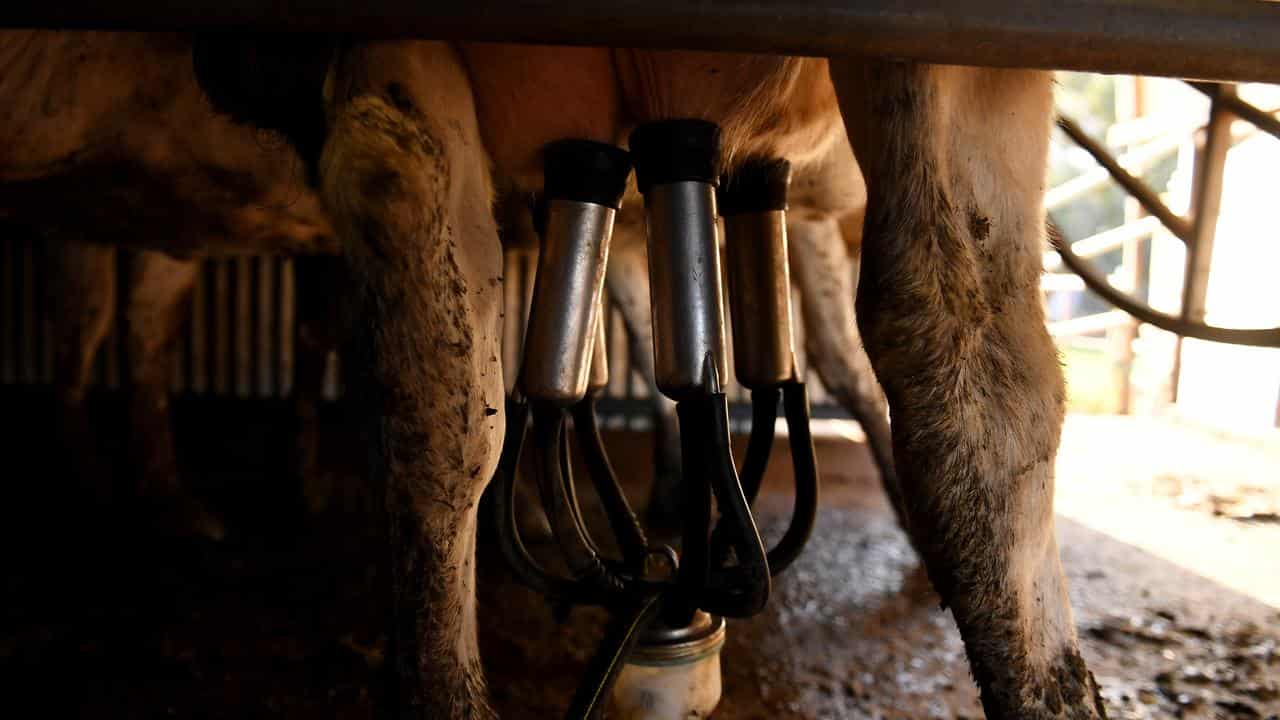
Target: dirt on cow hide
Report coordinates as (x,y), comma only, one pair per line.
(101,618)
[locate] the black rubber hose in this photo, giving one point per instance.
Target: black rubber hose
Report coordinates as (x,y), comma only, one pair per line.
(764,415)
(570,490)
(743,589)
(620,637)
(523,564)
(626,528)
(804,466)
(695,557)
(585,564)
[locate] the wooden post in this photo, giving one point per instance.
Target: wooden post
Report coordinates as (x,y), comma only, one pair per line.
(1130,104)
(1206,196)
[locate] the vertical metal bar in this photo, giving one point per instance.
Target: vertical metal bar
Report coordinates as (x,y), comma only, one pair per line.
(265,318)
(278,323)
(221,346)
(243,326)
(1206,194)
(1130,105)
(288,323)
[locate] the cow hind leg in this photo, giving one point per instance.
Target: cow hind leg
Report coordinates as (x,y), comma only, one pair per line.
(948,306)
(627,283)
(82,299)
(159,289)
(323,324)
(826,274)
(405,180)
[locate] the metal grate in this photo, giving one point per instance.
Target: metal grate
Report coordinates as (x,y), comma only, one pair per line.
(238,338)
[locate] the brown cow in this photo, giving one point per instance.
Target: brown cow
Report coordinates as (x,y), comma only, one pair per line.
(405,147)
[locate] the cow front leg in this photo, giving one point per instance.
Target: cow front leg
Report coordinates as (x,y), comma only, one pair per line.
(405,180)
(949,307)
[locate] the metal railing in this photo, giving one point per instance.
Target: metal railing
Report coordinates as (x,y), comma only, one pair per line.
(238,336)
(1196,231)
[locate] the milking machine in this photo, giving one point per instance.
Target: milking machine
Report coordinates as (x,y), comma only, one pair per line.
(659,657)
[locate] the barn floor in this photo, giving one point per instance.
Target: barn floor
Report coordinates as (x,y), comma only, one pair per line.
(1177,590)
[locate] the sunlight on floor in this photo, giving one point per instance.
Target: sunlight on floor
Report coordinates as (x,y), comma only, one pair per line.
(1203,500)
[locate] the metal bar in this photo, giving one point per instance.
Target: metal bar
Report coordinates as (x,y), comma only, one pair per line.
(1209,39)
(1268,337)
(1259,118)
(1132,185)
(220,347)
(288,327)
(1088,323)
(264,316)
(1094,178)
(1107,240)
(1130,103)
(1206,196)
(242,328)
(277,323)
(1061,282)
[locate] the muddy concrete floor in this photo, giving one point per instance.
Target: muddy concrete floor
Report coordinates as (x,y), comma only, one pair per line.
(100,617)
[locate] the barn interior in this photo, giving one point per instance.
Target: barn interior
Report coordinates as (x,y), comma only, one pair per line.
(253,600)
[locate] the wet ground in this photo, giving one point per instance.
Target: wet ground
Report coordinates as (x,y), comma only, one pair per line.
(101,618)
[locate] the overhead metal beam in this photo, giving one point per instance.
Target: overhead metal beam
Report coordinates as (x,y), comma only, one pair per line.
(1207,39)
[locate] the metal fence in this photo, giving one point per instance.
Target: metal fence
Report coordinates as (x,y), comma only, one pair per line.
(1196,231)
(238,336)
